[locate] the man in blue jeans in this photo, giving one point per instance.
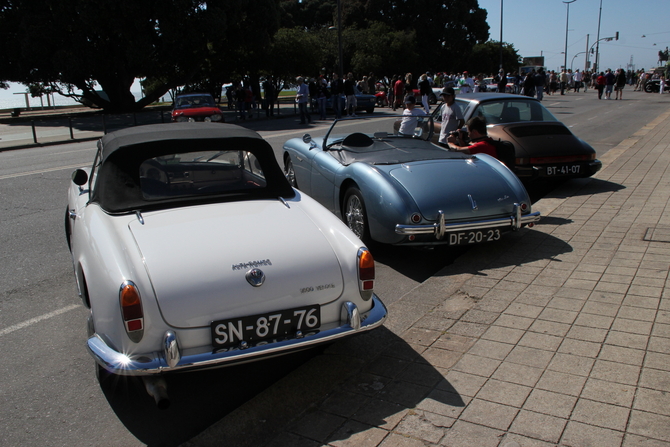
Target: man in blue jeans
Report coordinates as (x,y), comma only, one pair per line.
(609,83)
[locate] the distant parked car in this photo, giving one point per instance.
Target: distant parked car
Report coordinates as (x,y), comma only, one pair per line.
(401,189)
(191,250)
(544,146)
(654,86)
(196,107)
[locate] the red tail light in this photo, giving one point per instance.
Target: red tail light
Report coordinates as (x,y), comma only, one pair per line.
(366,273)
(131,310)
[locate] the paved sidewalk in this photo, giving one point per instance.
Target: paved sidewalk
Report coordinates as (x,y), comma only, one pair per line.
(559,335)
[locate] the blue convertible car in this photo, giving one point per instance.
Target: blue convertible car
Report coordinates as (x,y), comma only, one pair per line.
(398,188)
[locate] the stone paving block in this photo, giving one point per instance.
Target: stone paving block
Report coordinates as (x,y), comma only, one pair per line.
(615,372)
(529,356)
(661,330)
(655,426)
(632,326)
(514,322)
(559,382)
(519,374)
(523,310)
(655,379)
(442,358)
(585,333)
(601,414)
(425,426)
(558,315)
(641,301)
(491,349)
(566,304)
(631,440)
(592,320)
(387,366)
(637,313)
(550,328)
(435,321)
(621,355)
(466,385)
(480,316)
(627,340)
(541,341)
(465,434)
(455,342)
(356,434)
(611,297)
(609,393)
(489,414)
(317,425)
(663,317)
(421,374)
(380,413)
(403,393)
(571,364)
(550,403)
(468,329)
(505,393)
(600,308)
(503,334)
(537,425)
(657,361)
(572,293)
(342,403)
(652,401)
(396,440)
(577,434)
(444,403)
(474,364)
(423,337)
(533,300)
(514,440)
(653,292)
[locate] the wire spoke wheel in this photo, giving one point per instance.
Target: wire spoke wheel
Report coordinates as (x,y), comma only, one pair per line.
(354,213)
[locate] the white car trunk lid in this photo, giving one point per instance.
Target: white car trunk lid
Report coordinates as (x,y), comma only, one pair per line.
(197,259)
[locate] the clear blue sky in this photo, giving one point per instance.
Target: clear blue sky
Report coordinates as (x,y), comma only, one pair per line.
(537,27)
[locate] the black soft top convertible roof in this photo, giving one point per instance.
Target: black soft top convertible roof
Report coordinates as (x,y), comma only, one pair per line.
(117,187)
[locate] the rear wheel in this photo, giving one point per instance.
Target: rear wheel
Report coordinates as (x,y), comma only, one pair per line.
(354,214)
(649,87)
(289,172)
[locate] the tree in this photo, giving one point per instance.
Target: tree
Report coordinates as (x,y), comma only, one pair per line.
(485,58)
(79,44)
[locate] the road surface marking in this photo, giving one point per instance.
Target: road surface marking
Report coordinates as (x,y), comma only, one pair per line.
(32,321)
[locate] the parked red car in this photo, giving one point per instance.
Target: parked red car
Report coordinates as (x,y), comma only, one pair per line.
(196,107)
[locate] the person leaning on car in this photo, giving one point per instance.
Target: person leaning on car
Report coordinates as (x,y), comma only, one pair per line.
(480,142)
(452,116)
(409,120)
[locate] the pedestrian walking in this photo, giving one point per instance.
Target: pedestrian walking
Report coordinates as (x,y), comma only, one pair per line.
(302,97)
(600,84)
(619,83)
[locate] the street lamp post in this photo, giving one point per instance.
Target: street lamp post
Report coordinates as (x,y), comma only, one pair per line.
(573,58)
(600,14)
(501,35)
(567,19)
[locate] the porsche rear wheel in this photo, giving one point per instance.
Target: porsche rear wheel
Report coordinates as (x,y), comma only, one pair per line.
(354,214)
(289,172)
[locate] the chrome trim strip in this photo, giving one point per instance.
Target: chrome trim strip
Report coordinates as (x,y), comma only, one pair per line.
(438,229)
(159,362)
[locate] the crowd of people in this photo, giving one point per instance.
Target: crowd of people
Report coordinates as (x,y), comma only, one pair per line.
(314,93)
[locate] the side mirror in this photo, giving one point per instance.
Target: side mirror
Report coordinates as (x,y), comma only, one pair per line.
(79,177)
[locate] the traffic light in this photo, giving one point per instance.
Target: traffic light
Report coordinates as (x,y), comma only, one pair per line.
(616,36)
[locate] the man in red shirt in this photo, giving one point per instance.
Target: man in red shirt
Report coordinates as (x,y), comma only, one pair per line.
(480,142)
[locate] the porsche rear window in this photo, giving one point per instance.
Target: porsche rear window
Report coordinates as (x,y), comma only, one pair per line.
(200,174)
(513,111)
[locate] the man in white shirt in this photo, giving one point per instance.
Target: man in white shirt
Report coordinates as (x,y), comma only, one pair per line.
(409,120)
(452,116)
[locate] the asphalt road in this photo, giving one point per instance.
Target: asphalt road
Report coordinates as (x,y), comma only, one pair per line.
(49,393)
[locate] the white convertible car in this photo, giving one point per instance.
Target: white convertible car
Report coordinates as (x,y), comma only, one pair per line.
(192,251)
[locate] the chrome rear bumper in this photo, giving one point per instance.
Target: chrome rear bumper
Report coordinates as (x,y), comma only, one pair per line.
(172,358)
(440,228)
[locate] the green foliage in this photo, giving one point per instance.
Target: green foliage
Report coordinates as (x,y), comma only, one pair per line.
(485,58)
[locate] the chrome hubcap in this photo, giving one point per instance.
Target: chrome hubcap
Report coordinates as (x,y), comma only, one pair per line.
(354,216)
(290,174)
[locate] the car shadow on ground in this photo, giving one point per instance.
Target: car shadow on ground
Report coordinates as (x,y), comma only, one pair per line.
(371,380)
(198,399)
(374,378)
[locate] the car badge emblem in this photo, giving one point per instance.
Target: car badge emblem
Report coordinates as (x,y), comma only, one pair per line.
(255,277)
